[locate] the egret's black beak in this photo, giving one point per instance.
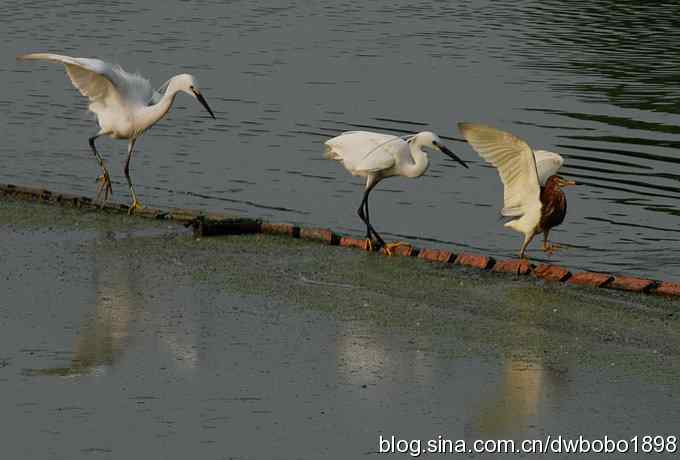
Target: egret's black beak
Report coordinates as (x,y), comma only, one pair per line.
(203,102)
(449,153)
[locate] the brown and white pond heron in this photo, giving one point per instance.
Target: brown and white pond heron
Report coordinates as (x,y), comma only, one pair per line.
(124,103)
(531,187)
(377,156)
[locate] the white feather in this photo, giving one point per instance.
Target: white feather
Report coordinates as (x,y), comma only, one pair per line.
(363,153)
(515,162)
(105,85)
(547,164)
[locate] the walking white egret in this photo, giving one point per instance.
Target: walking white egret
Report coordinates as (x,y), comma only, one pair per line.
(532,190)
(124,103)
(377,156)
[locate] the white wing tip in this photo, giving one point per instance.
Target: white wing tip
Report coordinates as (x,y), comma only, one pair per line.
(466,127)
(471,129)
(32,56)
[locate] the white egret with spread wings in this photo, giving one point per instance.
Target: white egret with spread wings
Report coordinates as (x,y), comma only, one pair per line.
(124,103)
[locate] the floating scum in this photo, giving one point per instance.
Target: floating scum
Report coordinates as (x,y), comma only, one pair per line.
(531,187)
(124,103)
(377,156)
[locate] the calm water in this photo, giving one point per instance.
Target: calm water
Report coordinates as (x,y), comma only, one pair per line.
(594,82)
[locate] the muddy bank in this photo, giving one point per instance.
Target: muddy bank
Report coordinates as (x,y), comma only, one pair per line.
(127,337)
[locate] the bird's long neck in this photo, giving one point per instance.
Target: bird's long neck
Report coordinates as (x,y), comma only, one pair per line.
(149,115)
(420,161)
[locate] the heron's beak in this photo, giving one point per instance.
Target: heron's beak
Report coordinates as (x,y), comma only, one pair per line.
(450,154)
(567,183)
(203,102)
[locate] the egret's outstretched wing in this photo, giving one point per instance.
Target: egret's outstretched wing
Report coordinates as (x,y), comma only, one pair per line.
(547,164)
(515,163)
(364,152)
(104,84)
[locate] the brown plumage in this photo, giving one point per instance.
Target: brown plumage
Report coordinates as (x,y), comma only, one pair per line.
(553,206)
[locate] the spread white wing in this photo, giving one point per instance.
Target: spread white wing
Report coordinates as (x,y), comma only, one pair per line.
(102,83)
(547,164)
(363,152)
(515,162)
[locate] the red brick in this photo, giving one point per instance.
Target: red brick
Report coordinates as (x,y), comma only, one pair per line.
(436,255)
(281,229)
(668,289)
(350,242)
(551,272)
(590,279)
(319,234)
(514,266)
(628,283)
(404,250)
(474,260)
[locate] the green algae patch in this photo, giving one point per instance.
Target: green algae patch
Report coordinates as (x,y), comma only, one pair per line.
(446,309)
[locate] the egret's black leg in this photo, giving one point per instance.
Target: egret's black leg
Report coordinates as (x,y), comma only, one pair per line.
(135,203)
(362,215)
(369,228)
(104,179)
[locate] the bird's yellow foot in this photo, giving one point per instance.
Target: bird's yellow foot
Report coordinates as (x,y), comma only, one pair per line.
(551,248)
(104,190)
(135,205)
(368,245)
(389,247)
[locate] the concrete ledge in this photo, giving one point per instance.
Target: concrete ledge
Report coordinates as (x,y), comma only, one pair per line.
(212,224)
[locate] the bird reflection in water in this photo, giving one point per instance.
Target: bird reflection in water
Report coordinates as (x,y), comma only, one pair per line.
(529,382)
(108,330)
(365,355)
(104,332)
